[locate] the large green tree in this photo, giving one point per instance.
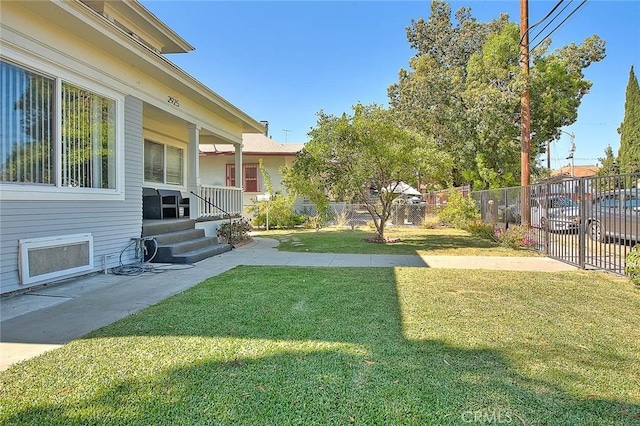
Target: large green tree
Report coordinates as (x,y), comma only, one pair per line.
(629,153)
(359,157)
(464,89)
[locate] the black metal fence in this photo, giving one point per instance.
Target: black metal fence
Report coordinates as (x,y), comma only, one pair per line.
(589,222)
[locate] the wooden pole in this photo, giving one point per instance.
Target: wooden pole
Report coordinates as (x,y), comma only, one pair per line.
(525,112)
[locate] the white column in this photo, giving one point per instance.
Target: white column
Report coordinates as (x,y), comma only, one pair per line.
(193,169)
(239,181)
(238,165)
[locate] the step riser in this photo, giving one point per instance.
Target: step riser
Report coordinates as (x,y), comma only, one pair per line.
(165,227)
(189,259)
(180,242)
(178,237)
(187,246)
(193,256)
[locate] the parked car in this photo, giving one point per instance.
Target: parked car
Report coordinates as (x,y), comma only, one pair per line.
(410,199)
(615,215)
(555,213)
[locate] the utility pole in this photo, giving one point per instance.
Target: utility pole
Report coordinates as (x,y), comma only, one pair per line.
(286,134)
(572,150)
(525,113)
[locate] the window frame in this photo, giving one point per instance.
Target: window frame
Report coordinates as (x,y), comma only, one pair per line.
(10,191)
(230,176)
(165,145)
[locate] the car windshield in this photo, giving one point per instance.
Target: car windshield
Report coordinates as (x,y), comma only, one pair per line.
(561,202)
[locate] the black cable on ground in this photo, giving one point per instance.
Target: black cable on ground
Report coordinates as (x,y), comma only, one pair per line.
(144,265)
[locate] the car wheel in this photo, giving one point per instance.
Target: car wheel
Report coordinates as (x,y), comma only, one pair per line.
(595,231)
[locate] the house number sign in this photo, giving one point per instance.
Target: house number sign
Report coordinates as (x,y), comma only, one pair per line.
(173,101)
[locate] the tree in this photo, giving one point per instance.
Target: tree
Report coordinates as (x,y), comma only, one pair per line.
(609,173)
(609,163)
(629,130)
(492,99)
(464,86)
(304,178)
(360,158)
(428,98)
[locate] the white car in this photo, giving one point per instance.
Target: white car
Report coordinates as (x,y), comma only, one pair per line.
(555,213)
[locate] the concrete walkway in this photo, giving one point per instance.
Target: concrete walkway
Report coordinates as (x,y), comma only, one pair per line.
(49,317)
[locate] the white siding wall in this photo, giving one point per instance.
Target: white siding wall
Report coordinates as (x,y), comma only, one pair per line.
(112,223)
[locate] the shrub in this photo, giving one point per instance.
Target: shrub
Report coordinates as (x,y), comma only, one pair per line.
(515,237)
(430,221)
(459,211)
(480,229)
(279,209)
(342,217)
(632,265)
(281,213)
(239,231)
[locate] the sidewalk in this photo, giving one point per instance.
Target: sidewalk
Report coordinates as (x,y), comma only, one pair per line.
(49,317)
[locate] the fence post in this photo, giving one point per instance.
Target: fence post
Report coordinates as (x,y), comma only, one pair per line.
(505,212)
(582,241)
(545,229)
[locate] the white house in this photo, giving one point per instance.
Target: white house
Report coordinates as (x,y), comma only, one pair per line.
(217,166)
(92,111)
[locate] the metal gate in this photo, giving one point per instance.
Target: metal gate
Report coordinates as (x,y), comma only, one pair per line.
(591,222)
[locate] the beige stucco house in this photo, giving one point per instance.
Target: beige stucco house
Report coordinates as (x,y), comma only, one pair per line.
(217,166)
(92,112)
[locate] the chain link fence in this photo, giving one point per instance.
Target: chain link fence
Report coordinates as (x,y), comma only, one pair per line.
(346,214)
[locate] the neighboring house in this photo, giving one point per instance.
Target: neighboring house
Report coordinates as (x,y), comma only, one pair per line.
(92,111)
(217,166)
(565,180)
(578,171)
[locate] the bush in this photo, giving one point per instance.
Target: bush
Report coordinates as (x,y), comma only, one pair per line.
(480,229)
(515,237)
(460,211)
(341,218)
(632,265)
(281,213)
(430,221)
(239,231)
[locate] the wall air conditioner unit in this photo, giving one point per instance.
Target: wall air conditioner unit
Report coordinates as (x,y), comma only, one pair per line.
(52,258)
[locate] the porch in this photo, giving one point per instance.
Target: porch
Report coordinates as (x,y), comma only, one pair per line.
(185,229)
(205,203)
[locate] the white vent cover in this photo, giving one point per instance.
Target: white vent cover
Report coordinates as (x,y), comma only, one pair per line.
(49,258)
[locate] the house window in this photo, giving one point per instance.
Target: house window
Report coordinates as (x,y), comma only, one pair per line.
(88,139)
(231,175)
(163,163)
(249,177)
(36,109)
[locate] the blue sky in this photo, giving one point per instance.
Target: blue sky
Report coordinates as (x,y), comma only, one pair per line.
(283,61)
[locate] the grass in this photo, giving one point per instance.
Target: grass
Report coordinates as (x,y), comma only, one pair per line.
(440,241)
(281,345)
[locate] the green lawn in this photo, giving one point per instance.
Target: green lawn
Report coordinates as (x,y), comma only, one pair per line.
(440,241)
(282,345)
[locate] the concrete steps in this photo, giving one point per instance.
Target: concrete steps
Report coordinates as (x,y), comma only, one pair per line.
(178,241)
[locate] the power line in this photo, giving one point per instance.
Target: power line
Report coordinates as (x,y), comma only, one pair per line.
(560,24)
(551,21)
(542,20)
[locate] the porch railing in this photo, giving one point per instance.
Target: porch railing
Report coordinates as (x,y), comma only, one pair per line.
(216,200)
